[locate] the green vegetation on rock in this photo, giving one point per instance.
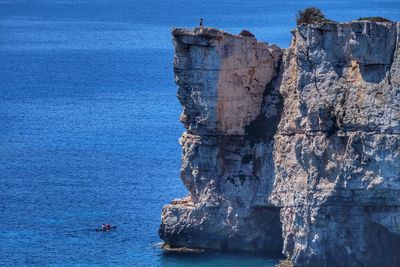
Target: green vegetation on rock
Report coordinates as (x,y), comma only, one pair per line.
(374,19)
(311,15)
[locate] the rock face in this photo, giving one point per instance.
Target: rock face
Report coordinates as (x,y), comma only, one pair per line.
(222,80)
(294,150)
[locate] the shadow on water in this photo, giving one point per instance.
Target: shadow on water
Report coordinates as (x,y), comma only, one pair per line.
(214,258)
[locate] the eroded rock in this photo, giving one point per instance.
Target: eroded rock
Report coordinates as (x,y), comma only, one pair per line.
(293,149)
(337,151)
(222,81)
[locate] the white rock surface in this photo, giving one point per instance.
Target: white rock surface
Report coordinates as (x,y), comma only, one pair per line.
(337,149)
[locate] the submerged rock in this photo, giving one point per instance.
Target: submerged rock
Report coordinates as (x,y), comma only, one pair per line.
(168,248)
(294,150)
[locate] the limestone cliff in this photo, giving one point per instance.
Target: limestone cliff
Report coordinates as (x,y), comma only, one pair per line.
(222,80)
(294,150)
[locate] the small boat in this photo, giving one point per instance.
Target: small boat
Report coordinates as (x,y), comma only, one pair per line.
(106,229)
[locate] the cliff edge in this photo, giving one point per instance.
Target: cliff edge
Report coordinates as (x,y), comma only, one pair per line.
(291,150)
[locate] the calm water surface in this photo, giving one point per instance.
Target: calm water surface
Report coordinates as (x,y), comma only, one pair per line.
(89,122)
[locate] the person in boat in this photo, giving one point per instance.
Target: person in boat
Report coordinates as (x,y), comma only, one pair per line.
(103,227)
(108,226)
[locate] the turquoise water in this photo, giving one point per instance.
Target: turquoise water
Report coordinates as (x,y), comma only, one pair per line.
(89,122)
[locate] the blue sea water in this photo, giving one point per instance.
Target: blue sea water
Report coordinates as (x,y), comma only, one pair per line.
(89,122)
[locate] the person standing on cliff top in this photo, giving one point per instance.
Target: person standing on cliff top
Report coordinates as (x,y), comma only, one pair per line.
(201,23)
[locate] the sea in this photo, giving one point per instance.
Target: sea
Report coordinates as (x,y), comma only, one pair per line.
(89,122)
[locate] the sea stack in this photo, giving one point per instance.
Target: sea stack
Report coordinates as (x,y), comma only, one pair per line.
(291,150)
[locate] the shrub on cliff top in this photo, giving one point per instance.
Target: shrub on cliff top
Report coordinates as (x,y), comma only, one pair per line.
(375,19)
(246,33)
(310,15)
